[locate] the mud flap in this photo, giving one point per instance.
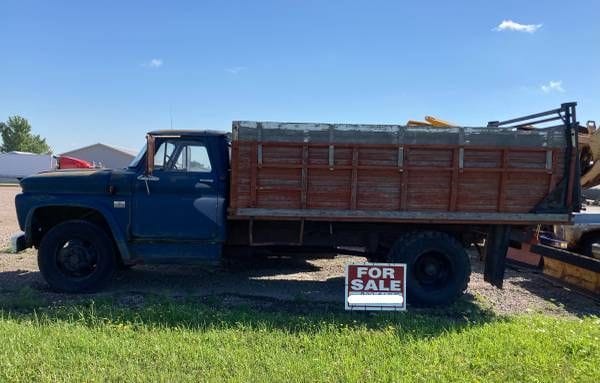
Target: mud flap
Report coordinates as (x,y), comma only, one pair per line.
(18,242)
(496,246)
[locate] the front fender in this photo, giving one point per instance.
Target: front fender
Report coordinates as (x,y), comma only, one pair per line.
(117,219)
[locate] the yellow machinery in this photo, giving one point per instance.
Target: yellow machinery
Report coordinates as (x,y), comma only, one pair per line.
(431,121)
(589,154)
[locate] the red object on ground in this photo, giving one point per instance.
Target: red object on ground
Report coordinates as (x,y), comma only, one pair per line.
(66,162)
(523,255)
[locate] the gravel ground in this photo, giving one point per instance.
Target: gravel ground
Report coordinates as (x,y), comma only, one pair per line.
(8,216)
(287,279)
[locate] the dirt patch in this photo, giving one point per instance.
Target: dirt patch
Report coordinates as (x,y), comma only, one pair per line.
(269,280)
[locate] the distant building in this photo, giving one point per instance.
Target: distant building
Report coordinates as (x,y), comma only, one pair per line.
(22,164)
(103,155)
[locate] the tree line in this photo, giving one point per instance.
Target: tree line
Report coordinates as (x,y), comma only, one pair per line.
(17,136)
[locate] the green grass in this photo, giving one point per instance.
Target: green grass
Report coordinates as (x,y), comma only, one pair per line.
(194,341)
(21,300)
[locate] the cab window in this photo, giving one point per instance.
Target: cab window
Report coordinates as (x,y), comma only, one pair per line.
(163,155)
(193,158)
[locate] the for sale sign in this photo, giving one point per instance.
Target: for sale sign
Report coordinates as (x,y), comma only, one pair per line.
(376,286)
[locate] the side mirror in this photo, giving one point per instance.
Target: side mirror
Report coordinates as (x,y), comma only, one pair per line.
(149,154)
(147,176)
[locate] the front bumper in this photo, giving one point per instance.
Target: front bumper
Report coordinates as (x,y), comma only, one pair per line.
(18,242)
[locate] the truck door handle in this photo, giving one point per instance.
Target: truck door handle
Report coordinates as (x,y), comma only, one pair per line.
(143,177)
(203,183)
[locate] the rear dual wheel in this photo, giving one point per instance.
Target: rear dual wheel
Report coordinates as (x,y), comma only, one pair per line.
(76,256)
(438,267)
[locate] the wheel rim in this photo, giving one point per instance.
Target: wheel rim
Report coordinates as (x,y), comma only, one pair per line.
(589,249)
(77,258)
(432,270)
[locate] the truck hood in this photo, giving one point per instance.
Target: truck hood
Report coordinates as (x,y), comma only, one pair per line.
(77,181)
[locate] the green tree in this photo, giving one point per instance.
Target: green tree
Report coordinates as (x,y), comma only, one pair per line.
(17,136)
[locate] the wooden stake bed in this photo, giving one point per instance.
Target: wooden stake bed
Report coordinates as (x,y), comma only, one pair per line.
(393,173)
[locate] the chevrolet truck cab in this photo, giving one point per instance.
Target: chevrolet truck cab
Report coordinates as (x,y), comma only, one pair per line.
(164,208)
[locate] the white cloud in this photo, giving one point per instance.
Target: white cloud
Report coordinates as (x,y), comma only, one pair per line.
(553,86)
(509,25)
(154,63)
(236,69)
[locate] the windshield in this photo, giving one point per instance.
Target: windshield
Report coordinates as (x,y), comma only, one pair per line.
(137,158)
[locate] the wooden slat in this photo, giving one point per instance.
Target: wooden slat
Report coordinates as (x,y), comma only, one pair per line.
(304,183)
(454,187)
(571,178)
(328,189)
(254,174)
(354,180)
(428,191)
(233,192)
(502,187)
(472,196)
(552,178)
(404,182)
(387,146)
(378,190)
(416,168)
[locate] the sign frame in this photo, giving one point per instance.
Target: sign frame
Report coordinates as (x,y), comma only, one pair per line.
(375,306)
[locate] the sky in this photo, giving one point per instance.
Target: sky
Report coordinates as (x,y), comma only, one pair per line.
(109,71)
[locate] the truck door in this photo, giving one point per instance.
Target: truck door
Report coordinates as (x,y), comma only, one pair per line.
(180,201)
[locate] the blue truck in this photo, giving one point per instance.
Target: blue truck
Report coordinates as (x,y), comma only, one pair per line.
(417,195)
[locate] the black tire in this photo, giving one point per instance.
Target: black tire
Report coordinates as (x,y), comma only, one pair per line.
(122,266)
(587,243)
(438,267)
(76,256)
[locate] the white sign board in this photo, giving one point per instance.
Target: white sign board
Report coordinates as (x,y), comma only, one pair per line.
(376,286)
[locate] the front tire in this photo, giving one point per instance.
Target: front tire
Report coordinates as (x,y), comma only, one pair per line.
(76,256)
(438,267)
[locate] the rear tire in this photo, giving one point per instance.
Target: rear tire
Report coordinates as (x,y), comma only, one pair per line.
(76,256)
(587,244)
(438,267)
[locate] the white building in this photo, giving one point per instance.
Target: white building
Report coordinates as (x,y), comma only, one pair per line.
(22,164)
(103,155)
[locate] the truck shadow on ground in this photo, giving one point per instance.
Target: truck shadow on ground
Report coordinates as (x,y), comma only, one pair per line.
(291,294)
(277,293)
(229,312)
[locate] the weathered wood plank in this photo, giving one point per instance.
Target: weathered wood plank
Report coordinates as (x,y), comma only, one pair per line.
(368,177)
(399,216)
(354,180)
